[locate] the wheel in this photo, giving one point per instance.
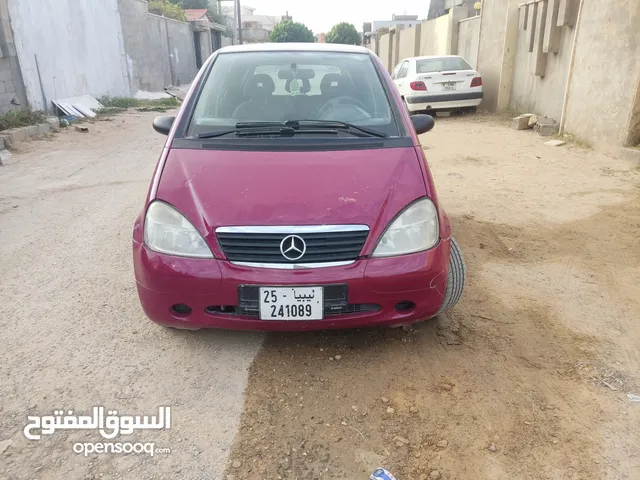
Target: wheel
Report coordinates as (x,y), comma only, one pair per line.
(456,279)
(471,110)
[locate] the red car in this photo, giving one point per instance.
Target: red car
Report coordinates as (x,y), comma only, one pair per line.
(293,194)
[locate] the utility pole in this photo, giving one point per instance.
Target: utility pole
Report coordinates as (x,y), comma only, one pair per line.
(239,10)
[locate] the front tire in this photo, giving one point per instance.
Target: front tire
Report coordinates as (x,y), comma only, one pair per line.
(456,278)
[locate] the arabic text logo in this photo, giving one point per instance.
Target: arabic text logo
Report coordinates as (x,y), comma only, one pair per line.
(109,426)
(293,247)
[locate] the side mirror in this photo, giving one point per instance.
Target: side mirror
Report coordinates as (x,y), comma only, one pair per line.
(422,123)
(163,124)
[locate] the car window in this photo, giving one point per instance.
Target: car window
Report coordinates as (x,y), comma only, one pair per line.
(441,64)
(281,86)
(404,69)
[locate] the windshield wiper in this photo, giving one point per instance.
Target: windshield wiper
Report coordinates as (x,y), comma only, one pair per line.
(291,127)
(335,124)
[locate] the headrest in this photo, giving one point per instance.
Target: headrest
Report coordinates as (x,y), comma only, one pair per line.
(260,85)
(333,83)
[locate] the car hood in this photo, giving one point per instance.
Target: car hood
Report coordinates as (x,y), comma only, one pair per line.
(215,188)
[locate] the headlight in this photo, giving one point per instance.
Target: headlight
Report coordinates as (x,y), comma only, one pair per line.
(414,230)
(166,230)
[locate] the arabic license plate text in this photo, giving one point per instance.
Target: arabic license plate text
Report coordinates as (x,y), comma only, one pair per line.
(449,86)
(291,303)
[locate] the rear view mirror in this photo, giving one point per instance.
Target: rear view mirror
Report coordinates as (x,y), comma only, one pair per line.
(163,124)
(422,123)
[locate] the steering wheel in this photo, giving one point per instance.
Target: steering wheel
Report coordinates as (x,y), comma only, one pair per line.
(340,100)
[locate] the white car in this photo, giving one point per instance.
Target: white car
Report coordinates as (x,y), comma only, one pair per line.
(438,82)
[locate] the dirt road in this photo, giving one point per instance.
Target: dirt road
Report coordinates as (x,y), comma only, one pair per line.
(527,378)
(73,334)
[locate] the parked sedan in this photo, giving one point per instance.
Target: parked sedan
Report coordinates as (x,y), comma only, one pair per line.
(292,194)
(438,82)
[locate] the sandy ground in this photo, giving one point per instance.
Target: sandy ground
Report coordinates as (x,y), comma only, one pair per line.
(527,378)
(73,334)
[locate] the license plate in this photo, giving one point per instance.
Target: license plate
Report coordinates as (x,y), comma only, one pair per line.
(449,86)
(291,303)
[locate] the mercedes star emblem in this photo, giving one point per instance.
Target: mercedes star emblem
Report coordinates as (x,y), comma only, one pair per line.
(293,247)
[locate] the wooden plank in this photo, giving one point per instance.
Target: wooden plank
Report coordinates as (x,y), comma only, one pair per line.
(531,26)
(551,30)
(539,57)
(567,13)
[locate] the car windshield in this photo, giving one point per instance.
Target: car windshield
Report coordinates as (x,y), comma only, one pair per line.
(441,64)
(289,86)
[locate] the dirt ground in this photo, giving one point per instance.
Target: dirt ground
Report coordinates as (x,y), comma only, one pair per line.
(527,378)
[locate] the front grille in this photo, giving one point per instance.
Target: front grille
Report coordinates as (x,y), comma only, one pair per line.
(335,303)
(323,245)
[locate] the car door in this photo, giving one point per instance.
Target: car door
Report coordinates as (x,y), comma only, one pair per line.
(401,77)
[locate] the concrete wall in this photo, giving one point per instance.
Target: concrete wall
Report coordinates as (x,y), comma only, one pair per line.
(159,51)
(469,39)
(606,72)
(12,91)
(407,41)
(490,56)
(384,51)
(436,36)
(71,47)
(541,94)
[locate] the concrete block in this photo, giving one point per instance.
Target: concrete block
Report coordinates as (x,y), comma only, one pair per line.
(18,135)
(632,154)
(32,130)
(533,120)
(5,141)
(54,124)
(547,130)
(555,143)
(521,122)
(43,128)
(5,157)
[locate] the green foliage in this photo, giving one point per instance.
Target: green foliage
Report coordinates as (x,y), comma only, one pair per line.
(344,33)
(191,4)
(119,104)
(21,118)
(289,31)
(167,9)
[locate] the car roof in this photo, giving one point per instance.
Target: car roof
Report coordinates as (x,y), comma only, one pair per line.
(297,47)
(428,57)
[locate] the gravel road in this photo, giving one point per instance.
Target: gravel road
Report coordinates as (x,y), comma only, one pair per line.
(73,334)
(528,377)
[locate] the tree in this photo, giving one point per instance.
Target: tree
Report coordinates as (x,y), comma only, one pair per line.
(289,31)
(344,33)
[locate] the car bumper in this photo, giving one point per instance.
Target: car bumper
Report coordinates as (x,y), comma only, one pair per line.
(434,101)
(164,281)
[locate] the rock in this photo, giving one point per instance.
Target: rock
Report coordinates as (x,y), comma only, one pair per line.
(413,409)
(493,448)
(338,357)
(390,410)
(236,464)
(435,475)
(54,124)
(354,408)
(81,129)
(5,444)
(401,441)
(546,126)
(384,400)
(5,157)
(442,444)
(344,423)
(554,143)
(521,122)
(533,119)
